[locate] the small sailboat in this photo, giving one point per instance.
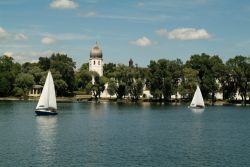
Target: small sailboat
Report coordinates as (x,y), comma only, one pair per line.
(47,102)
(197,101)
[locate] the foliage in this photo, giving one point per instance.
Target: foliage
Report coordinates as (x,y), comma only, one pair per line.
(188,82)
(97,87)
(25,82)
(163,77)
(112,87)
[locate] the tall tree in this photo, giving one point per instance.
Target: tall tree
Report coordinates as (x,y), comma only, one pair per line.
(239,67)
(25,82)
(8,72)
(188,82)
(97,87)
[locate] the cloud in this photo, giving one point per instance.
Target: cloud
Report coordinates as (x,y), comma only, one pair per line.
(143,42)
(20,37)
(28,56)
(93,14)
(10,54)
(63,4)
(48,40)
(9,36)
(66,36)
(184,34)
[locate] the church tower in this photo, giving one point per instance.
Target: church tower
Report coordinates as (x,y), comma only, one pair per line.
(95,60)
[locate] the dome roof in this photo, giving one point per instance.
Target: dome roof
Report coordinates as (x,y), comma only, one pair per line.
(96,52)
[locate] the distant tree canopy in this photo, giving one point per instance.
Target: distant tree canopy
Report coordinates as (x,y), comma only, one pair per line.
(163,78)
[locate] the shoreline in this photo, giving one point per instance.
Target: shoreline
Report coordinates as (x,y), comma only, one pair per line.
(125,101)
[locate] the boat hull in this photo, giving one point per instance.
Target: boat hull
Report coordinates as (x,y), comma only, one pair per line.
(45,112)
(196,107)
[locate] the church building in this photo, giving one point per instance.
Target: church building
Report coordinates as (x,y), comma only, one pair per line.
(95,60)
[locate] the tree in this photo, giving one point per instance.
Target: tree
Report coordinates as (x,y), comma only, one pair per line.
(204,64)
(25,82)
(188,82)
(239,67)
(136,89)
(97,87)
(109,69)
(5,87)
(164,77)
(8,72)
(33,69)
(83,77)
(44,63)
(112,87)
(65,66)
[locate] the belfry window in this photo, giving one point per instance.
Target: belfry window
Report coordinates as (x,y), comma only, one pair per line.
(98,62)
(94,62)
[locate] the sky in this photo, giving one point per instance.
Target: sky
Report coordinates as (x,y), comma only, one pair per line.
(143,30)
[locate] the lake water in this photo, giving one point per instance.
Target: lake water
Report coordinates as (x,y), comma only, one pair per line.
(113,135)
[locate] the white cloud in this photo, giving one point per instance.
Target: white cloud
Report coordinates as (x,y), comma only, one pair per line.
(3,33)
(28,56)
(184,34)
(48,40)
(143,41)
(9,36)
(20,37)
(124,17)
(10,54)
(63,4)
(66,36)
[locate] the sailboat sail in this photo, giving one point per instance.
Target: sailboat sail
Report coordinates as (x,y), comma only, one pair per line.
(48,96)
(197,100)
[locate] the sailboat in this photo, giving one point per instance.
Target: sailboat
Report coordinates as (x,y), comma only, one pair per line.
(197,101)
(47,102)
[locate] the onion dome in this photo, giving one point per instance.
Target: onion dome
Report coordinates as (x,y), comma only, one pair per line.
(96,52)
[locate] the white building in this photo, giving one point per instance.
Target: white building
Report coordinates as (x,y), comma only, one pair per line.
(95,60)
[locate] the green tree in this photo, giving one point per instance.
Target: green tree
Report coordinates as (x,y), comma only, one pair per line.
(164,77)
(188,82)
(239,67)
(136,89)
(8,72)
(97,87)
(5,87)
(25,82)
(112,87)
(65,66)
(83,77)
(109,69)
(204,64)
(44,63)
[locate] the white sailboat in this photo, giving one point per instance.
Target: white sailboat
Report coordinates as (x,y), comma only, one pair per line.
(197,101)
(47,102)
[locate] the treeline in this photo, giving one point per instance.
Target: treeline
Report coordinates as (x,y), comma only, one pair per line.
(163,78)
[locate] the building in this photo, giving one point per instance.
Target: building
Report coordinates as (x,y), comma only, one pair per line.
(95,60)
(35,91)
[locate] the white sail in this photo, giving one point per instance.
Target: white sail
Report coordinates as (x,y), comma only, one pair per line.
(197,100)
(48,96)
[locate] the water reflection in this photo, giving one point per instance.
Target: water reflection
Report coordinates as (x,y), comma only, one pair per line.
(46,138)
(197,110)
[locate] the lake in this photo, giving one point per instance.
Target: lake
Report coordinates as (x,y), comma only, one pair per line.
(113,135)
